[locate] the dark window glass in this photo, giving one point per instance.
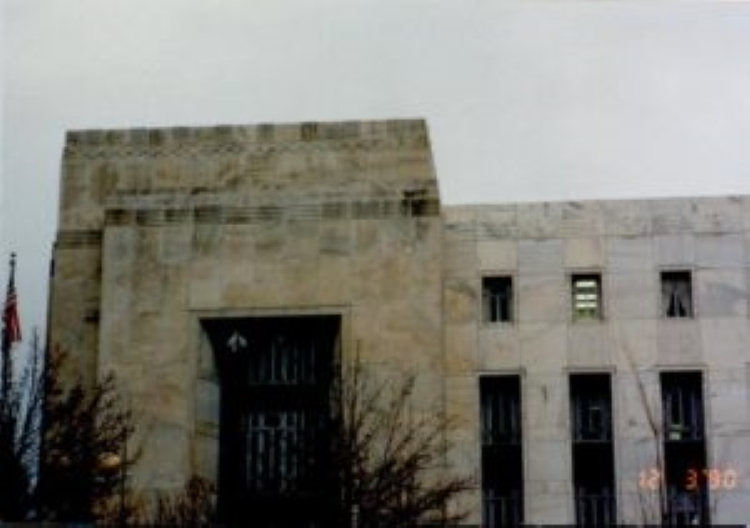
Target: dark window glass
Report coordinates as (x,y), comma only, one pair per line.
(502,455)
(593,450)
(684,449)
(676,294)
(497,299)
(275,375)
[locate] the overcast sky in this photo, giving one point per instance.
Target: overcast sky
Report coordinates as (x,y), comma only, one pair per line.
(525,101)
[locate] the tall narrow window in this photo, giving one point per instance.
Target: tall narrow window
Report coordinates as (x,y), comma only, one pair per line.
(684,449)
(497,299)
(586,296)
(676,294)
(593,450)
(502,456)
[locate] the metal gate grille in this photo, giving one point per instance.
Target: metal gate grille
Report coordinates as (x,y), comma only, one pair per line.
(276,376)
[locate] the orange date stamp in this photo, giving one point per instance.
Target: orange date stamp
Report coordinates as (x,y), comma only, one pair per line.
(716,479)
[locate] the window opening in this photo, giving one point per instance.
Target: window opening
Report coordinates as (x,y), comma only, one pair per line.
(497,299)
(502,456)
(676,294)
(587,296)
(684,449)
(593,449)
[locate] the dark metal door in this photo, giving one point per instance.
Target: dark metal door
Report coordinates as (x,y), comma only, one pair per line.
(276,375)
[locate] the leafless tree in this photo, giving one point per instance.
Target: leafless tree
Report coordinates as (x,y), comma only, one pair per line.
(391,460)
(651,493)
(191,506)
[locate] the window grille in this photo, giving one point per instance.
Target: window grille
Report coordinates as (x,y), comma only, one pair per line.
(501,420)
(595,509)
(686,508)
(683,406)
(501,510)
(281,448)
(587,296)
(284,360)
(276,375)
(592,449)
(684,448)
(502,454)
(592,407)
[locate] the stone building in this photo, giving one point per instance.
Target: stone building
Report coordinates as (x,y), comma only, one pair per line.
(594,353)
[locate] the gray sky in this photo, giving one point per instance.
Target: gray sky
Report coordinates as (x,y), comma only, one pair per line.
(526,101)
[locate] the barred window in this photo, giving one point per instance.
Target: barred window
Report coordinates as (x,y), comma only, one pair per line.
(502,450)
(592,449)
(586,296)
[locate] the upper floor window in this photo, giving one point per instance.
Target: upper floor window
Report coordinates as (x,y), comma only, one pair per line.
(676,294)
(497,299)
(586,296)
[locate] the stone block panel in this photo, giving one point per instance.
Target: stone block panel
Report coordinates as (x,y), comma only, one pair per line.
(461,300)
(632,295)
(584,253)
(499,348)
(542,298)
(542,347)
(582,219)
(589,345)
(540,256)
(627,218)
(497,255)
(545,406)
(721,293)
(539,220)
(679,342)
(629,253)
(634,343)
(720,250)
(460,349)
(675,250)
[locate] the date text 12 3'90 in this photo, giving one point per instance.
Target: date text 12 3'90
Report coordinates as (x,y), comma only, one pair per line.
(651,478)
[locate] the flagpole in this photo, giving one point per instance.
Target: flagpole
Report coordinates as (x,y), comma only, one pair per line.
(7,338)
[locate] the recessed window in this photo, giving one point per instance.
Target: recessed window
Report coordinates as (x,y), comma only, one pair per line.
(502,450)
(586,296)
(497,299)
(676,294)
(593,449)
(591,407)
(684,448)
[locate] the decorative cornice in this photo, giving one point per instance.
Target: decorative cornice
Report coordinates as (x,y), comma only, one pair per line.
(79,239)
(259,214)
(234,140)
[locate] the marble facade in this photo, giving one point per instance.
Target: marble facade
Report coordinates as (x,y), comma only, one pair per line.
(162,229)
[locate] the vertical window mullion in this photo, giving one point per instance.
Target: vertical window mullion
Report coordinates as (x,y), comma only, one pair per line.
(497,299)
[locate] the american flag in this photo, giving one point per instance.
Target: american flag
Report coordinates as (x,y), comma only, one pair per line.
(11,322)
